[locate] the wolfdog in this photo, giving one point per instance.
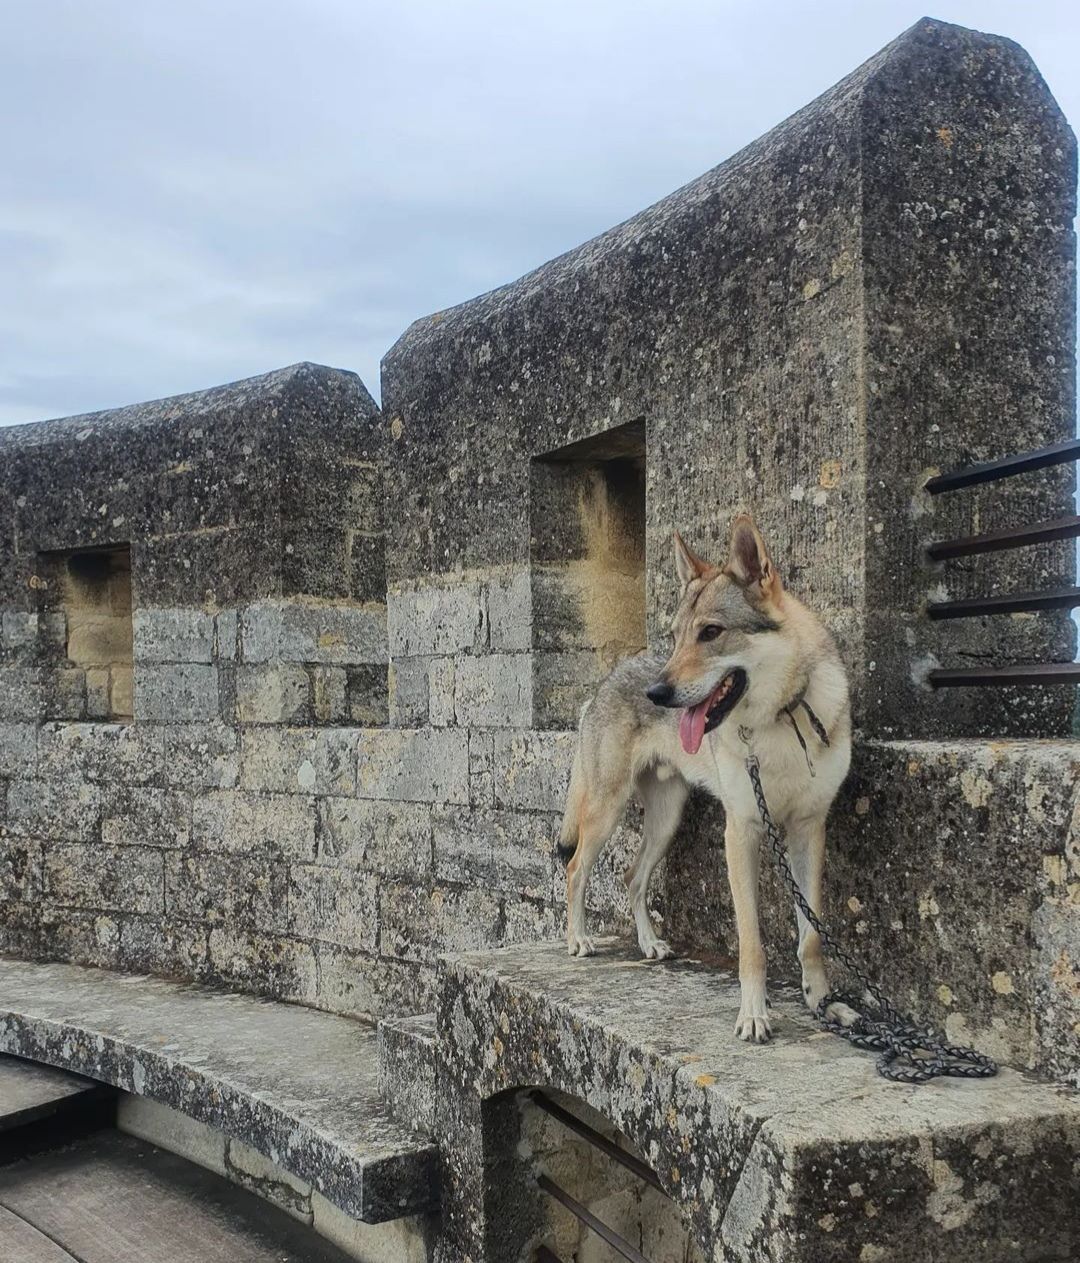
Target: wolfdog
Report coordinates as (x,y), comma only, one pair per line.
(751,670)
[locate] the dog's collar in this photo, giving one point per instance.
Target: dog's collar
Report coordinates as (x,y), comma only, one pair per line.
(799,702)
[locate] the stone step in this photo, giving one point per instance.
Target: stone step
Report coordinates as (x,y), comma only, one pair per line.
(30,1093)
(299,1086)
(796,1150)
(407,1056)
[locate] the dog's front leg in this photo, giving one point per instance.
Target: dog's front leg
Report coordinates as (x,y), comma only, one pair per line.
(742,843)
(806,852)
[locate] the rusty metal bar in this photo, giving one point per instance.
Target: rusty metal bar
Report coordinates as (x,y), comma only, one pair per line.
(630,1161)
(1010,603)
(1015,673)
(993,470)
(620,1245)
(1011,537)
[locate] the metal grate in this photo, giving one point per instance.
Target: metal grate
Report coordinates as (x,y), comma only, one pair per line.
(995,541)
(598,1140)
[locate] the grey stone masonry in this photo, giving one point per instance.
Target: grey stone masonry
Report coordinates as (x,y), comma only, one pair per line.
(795,1151)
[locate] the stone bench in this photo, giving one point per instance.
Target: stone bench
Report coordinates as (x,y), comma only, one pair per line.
(297,1085)
(794,1151)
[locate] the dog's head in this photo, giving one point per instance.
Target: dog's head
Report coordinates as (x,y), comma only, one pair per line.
(725,631)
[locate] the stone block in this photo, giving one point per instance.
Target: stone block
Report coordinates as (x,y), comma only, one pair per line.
(254,1171)
(243,822)
(164,946)
(408,685)
(266,964)
(358,984)
(227,636)
(498,850)
(105,879)
(145,816)
(418,923)
(177,693)
(235,890)
(329,694)
(299,760)
(172,1131)
(18,750)
(333,905)
(481,769)
(399,1241)
(532,769)
(437,621)
(367,696)
(21,870)
(441,675)
(407,1068)
(272,693)
(414,764)
(389,838)
(493,691)
(173,635)
(128,754)
(204,756)
(326,634)
(68,810)
(509,606)
(22,693)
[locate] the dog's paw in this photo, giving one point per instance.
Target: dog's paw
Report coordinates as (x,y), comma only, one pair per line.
(753,1023)
(580,945)
(842,1013)
(657,949)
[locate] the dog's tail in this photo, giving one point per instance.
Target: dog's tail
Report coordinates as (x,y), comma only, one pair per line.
(575,800)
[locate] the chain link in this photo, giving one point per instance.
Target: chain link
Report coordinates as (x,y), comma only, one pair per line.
(909,1053)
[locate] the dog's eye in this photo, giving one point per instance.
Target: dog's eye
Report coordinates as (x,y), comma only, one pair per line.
(710,632)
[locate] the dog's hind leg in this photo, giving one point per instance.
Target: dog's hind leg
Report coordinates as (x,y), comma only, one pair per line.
(598,817)
(806,851)
(663,799)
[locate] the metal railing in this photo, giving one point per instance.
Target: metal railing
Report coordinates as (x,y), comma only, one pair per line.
(1065,598)
(598,1140)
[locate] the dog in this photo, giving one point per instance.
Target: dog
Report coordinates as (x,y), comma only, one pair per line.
(751,670)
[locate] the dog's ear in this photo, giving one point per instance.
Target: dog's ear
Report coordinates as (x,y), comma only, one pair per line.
(688,564)
(749,563)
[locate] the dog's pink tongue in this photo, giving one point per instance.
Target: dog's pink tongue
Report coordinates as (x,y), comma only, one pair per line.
(692,726)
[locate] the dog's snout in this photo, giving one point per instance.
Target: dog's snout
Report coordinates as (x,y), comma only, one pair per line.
(660,693)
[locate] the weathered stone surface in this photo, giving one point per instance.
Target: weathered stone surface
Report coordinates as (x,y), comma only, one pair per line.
(237,820)
(504,850)
(416,923)
(145,816)
(760,1174)
(328,634)
(274,693)
(407,1068)
(437,620)
(509,606)
(414,765)
(29,1092)
(173,635)
(333,905)
(493,691)
(69,810)
(408,682)
(299,1087)
(532,769)
(389,838)
(111,879)
(300,760)
(205,755)
(177,693)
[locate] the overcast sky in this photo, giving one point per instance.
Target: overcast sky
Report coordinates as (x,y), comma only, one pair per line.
(193,192)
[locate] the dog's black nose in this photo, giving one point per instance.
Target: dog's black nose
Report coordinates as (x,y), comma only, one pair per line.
(660,693)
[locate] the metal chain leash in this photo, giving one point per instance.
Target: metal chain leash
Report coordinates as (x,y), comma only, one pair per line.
(909,1053)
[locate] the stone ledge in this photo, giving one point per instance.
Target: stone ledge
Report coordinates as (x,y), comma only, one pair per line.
(792,1151)
(298,1086)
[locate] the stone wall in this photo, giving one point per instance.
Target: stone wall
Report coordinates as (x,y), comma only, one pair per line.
(358,646)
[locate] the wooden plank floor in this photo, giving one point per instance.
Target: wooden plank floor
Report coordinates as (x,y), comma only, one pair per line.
(110,1198)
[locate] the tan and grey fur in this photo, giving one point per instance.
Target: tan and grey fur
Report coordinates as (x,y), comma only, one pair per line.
(629,745)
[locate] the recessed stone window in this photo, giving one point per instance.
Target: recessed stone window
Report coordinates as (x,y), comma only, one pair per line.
(91,589)
(587,528)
